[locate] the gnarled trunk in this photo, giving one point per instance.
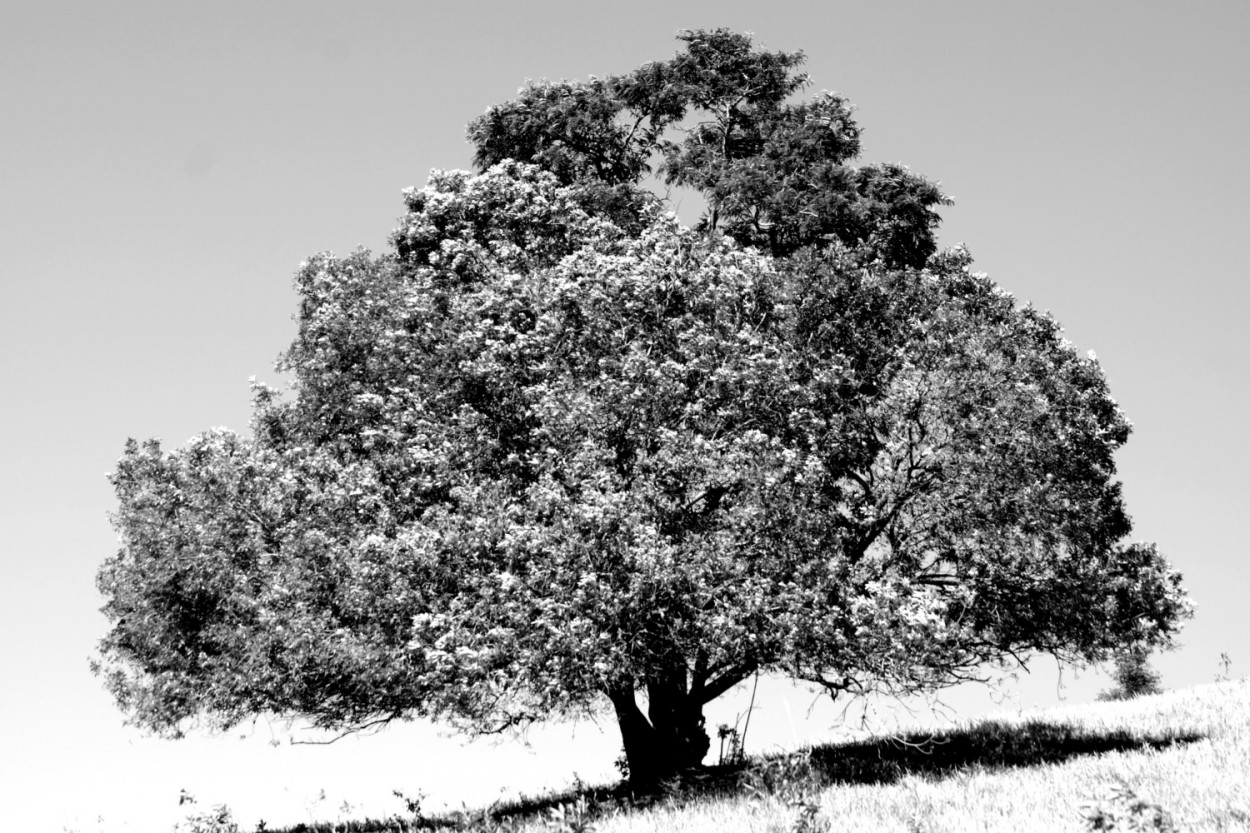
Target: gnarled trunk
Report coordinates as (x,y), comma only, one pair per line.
(669,739)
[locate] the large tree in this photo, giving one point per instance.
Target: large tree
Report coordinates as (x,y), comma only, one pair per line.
(557,451)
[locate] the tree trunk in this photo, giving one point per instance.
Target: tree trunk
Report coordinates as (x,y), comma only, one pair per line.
(669,740)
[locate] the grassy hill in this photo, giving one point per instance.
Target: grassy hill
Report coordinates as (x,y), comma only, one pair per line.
(1174,761)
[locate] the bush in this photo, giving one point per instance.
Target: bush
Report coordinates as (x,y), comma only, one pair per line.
(1133,676)
(216,820)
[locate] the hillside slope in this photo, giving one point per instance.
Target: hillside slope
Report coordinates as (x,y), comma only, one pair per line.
(1174,761)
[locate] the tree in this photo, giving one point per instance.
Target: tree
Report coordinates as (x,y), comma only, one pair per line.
(556,451)
(1133,675)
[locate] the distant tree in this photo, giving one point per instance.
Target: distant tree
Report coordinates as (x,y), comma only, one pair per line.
(1133,675)
(557,451)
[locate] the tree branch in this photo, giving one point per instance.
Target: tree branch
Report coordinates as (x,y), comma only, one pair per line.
(375,725)
(730,678)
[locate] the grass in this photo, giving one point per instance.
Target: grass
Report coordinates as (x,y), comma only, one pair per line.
(1173,761)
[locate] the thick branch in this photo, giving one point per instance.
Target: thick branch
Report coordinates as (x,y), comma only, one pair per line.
(727,680)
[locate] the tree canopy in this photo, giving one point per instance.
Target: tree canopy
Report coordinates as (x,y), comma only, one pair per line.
(556,450)
(775,174)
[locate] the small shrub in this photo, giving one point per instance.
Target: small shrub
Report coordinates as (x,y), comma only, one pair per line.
(1133,676)
(1225,672)
(731,751)
(571,817)
(411,804)
(216,820)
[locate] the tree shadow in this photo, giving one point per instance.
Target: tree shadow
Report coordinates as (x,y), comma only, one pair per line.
(988,745)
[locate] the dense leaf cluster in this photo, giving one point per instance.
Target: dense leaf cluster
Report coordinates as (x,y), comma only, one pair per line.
(774,174)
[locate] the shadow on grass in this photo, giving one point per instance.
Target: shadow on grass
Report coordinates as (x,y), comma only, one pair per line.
(986,746)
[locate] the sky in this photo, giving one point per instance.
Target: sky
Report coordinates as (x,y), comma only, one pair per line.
(165,167)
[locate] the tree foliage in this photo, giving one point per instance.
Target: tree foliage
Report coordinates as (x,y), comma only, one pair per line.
(775,174)
(556,449)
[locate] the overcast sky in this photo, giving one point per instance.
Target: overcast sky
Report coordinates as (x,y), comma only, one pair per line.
(165,167)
